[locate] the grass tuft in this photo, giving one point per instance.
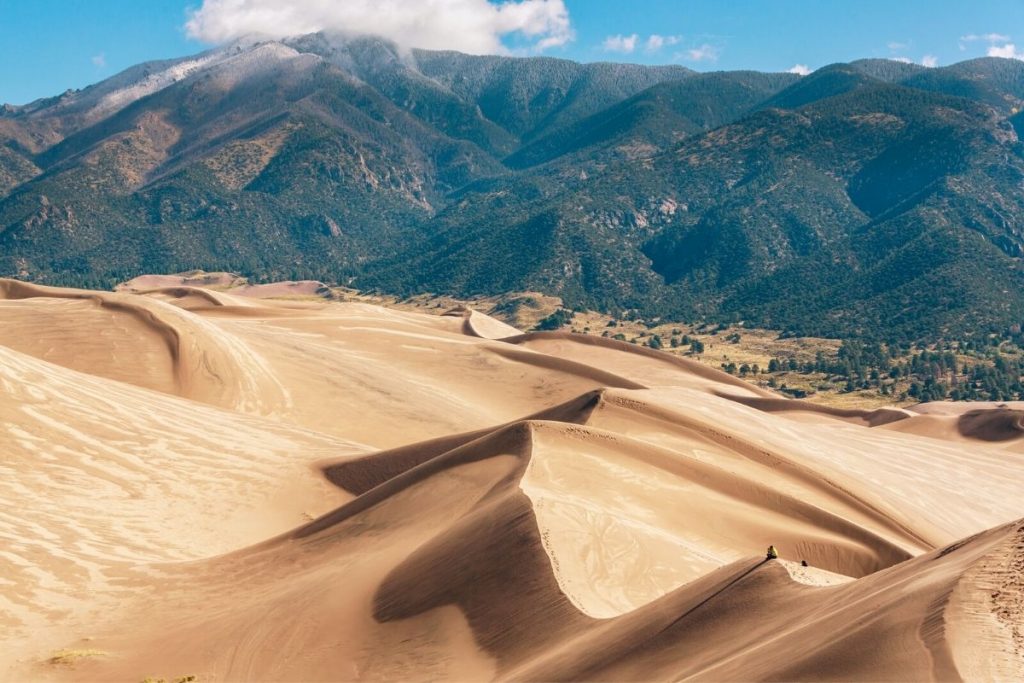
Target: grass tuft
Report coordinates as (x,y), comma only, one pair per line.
(71,656)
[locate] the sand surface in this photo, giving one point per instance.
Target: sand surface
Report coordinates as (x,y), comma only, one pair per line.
(206,478)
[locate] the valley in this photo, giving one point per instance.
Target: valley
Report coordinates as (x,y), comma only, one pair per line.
(832,372)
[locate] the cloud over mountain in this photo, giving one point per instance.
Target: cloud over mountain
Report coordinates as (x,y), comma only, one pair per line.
(655,42)
(702,53)
(620,43)
(1008,51)
(472,26)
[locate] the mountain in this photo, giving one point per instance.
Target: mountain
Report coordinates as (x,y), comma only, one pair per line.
(1017,121)
(271,158)
(874,199)
(996,82)
(656,118)
(829,81)
(889,70)
(872,210)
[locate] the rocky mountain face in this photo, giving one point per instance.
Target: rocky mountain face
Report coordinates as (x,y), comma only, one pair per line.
(868,199)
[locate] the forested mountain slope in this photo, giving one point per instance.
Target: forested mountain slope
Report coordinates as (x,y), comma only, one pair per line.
(872,199)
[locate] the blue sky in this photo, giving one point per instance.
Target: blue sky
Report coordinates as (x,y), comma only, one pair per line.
(48,46)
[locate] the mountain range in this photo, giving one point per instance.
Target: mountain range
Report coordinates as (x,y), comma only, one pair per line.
(873,199)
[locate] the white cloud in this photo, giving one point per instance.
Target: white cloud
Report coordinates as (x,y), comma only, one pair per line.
(1009,51)
(655,42)
(904,60)
(930,61)
(896,47)
(990,38)
(703,53)
(620,43)
(99,61)
(474,26)
(799,69)
(986,37)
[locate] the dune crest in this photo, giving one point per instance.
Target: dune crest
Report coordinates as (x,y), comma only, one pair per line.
(484,326)
(237,488)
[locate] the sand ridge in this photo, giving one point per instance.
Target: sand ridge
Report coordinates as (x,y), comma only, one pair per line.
(206,483)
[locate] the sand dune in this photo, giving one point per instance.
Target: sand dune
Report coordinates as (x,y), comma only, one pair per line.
(101,475)
(997,425)
(140,340)
(479,325)
(202,483)
(226,283)
(145,283)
